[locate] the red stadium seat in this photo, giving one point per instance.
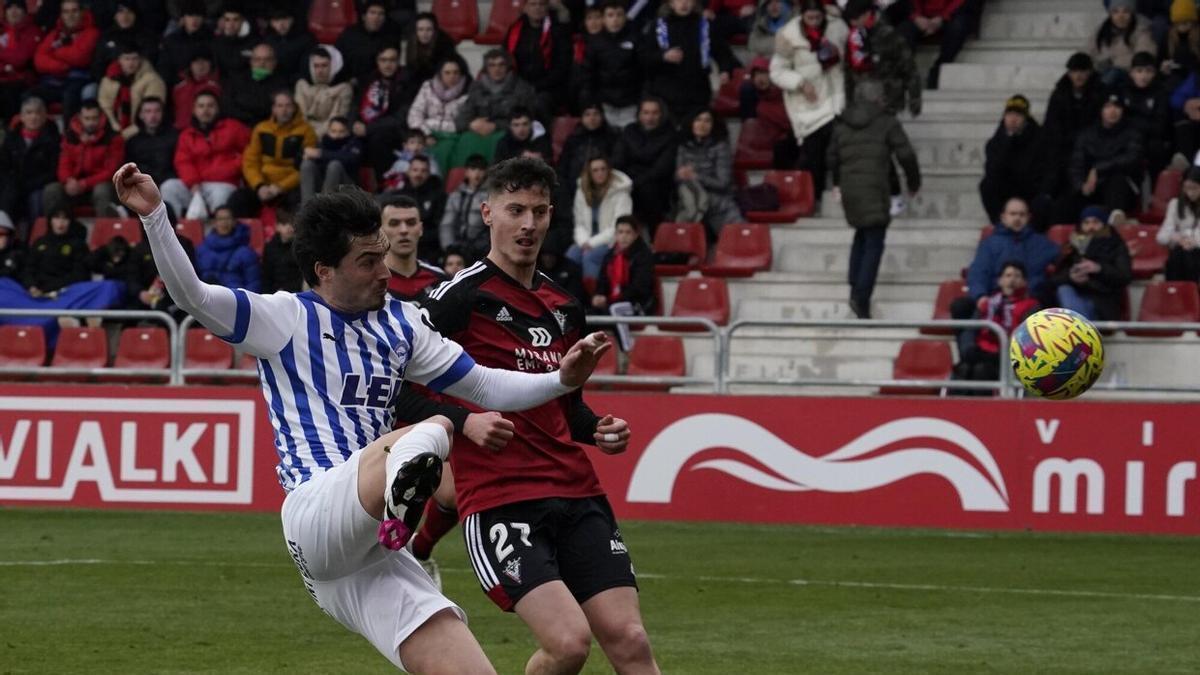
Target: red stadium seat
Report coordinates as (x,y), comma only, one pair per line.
(366,179)
(726,103)
(656,356)
(689,238)
(22,347)
(454,178)
(328,18)
(742,249)
(1060,234)
(756,145)
(80,348)
(191,229)
(948,291)
(704,297)
(1166,188)
(257,236)
(207,351)
(459,18)
(796,199)
(504,13)
(1149,256)
(606,366)
(105,229)
(921,360)
(986,231)
(1177,301)
(142,348)
(38,230)
(564,126)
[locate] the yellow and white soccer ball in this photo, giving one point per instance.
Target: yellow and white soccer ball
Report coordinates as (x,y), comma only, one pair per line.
(1056,354)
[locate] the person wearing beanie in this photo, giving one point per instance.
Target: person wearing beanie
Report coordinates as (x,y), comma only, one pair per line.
(1106,167)
(1014,159)
(1092,276)
(1179,52)
(1149,111)
(1180,231)
(1122,34)
(1074,105)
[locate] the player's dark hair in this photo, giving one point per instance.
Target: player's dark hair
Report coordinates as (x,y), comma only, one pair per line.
(520,173)
(398,202)
(1016,265)
(326,226)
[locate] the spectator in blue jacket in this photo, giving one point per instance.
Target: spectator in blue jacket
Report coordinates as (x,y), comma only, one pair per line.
(225,256)
(1013,240)
(1185,102)
(333,162)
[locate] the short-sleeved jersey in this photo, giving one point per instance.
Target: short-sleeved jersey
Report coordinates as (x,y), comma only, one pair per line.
(330,378)
(412,288)
(502,324)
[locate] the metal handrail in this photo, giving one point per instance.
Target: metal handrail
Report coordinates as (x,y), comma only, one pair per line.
(711,328)
(138,314)
(1125,326)
(232,373)
(1004,385)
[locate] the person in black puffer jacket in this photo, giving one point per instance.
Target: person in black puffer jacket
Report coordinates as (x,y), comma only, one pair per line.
(594,137)
(1106,167)
(646,153)
(57,259)
(1073,106)
(678,52)
(1092,278)
(611,72)
(627,273)
(152,148)
(1014,159)
(280,271)
(29,161)
(361,42)
(127,28)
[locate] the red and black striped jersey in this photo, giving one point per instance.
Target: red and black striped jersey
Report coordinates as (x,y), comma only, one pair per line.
(502,324)
(412,288)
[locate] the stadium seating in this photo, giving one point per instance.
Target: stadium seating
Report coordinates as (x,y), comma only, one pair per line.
(1060,234)
(702,297)
(948,291)
(80,348)
(921,360)
(689,238)
(606,366)
(191,229)
(755,145)
(726,103)
(459,18)
(22,347)
(1149,257)
(257,235)
(504,13)
(986,231)
(328,18)
(656,356)
(1165,189)
(1177,301)
(38,230)
(142,348)
(563,126)
(742,249)
(454,178)
(104,229)
(203,350)
(796,199)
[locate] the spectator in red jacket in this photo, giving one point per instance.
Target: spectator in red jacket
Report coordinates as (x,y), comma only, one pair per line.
(19,37)
(951,18)
(89,156)
(64,57)
(1008,307)
(200,76)
(208,159)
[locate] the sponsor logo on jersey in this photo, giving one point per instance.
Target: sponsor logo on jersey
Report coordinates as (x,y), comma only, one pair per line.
(503,315)
(375,392)
(512,569)
(617,546)
(536,360)
(540,337)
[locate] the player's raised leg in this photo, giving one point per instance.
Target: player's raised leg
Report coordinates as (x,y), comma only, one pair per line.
(399,472)
(560,628)
(616,620)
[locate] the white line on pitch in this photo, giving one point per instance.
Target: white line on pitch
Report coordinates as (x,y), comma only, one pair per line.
(669,577)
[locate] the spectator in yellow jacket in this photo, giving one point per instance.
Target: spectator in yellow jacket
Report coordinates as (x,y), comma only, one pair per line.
(271,163)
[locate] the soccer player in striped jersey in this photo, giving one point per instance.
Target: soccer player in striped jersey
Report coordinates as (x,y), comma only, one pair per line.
(330,360)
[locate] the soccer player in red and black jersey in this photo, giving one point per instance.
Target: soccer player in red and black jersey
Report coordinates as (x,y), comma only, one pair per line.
(403,228)
(541,535)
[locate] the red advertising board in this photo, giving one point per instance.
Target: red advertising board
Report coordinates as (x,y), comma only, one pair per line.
(1080,466)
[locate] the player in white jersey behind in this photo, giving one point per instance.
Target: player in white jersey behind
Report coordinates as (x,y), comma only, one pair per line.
(331,359)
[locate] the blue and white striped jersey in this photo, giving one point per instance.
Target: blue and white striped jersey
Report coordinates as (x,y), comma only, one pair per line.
(329,378)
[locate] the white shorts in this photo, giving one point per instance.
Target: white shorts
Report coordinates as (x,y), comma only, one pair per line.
(380,594)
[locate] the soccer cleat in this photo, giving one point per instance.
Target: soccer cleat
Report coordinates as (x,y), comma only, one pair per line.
(404,501)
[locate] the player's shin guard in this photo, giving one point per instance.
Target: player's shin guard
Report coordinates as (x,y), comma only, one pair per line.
(438,521)
(414,470)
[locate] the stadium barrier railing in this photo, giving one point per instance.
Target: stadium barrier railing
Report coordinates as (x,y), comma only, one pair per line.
(1005,386)
(105,314)
(711,330)
(233,373)
(1140,326)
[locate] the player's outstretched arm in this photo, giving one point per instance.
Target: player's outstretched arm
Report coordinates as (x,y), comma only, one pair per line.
(213,306)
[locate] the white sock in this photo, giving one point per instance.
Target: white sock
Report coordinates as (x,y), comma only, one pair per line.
(423,437)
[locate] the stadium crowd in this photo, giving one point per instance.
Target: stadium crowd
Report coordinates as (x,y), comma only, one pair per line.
(241,115)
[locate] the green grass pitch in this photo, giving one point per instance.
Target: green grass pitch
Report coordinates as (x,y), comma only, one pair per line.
(142,592)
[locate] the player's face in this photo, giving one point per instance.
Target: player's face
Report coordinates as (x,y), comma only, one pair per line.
(359,282)
(402,227)
(454,262)
(518,221)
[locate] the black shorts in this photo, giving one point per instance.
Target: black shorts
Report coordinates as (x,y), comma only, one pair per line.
(517,547)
